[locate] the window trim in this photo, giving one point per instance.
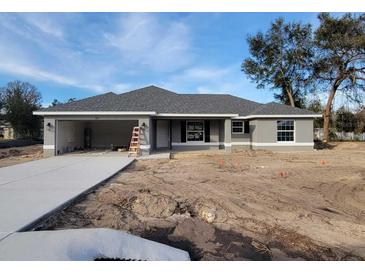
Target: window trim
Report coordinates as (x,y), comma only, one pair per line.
(242,127)
(186,132)
(294,131)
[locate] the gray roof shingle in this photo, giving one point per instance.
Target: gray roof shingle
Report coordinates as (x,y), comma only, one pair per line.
(160,100)
(275,108)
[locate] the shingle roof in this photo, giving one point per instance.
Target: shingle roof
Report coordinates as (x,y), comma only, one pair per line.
(160,100)
(275,108)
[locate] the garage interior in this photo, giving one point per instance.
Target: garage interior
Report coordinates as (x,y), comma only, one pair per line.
(72,135)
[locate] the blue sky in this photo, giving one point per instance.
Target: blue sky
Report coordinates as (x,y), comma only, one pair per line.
(83,54)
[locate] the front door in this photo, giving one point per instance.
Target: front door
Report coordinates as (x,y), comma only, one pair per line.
(162,133)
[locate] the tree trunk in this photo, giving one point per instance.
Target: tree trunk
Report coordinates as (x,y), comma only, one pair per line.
(290,96)
(328,111)
(327,116)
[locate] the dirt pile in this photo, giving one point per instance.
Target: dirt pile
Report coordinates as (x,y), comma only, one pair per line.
(149,205)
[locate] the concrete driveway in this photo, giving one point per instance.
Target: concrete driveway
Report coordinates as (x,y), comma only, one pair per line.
(31,190)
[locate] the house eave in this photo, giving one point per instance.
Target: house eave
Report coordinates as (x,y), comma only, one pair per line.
(83,113)
(196,115)
(154,113)
(279,116)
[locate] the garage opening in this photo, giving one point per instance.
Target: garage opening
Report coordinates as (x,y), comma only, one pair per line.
(90,135)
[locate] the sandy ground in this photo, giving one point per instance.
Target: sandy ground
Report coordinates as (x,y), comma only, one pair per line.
(17,155)
(247,205)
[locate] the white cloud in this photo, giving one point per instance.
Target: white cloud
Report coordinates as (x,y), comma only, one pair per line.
(145,41)
(45,23)
(50,59)
(41,75)
(216,80)
(121,87)
(205,73)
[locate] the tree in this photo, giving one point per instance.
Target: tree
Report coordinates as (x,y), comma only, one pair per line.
(360,117)
(297,95)
(315,105)
(340,59)
(281,59)
(55,102)
(19,100)
(345,120)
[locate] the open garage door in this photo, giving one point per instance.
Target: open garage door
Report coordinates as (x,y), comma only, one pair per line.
(96,134)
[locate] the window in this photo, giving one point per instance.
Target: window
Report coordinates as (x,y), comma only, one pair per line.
(195,131)
(285,129)
(237,127)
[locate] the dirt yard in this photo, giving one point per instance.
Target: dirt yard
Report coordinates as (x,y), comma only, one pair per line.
(17,155)
(247,205)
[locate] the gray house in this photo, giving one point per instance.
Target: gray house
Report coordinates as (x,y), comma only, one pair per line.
(175,122)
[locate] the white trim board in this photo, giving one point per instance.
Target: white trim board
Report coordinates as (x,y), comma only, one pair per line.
(279,116)
(196,115)
(196,144)
(154,113)
(213,144)
(282,144)
(241,143)
(48,146)
(55,113)
(144,146)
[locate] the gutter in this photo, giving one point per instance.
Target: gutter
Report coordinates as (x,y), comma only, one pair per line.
(103,113)
(280,116)
(154,113)
(197,115)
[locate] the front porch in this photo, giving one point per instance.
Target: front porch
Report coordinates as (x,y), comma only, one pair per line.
(185,133)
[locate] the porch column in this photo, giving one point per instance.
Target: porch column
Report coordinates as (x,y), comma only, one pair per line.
(146,130)
(49,137)
(227,134)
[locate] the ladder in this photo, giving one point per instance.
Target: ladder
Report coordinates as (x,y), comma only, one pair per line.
(134,148)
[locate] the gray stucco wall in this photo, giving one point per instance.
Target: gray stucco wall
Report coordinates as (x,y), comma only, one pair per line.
(304,130)
(264,133)
(146,125)
(49,137)
(241,139)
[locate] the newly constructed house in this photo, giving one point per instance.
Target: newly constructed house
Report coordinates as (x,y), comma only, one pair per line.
(174,121)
